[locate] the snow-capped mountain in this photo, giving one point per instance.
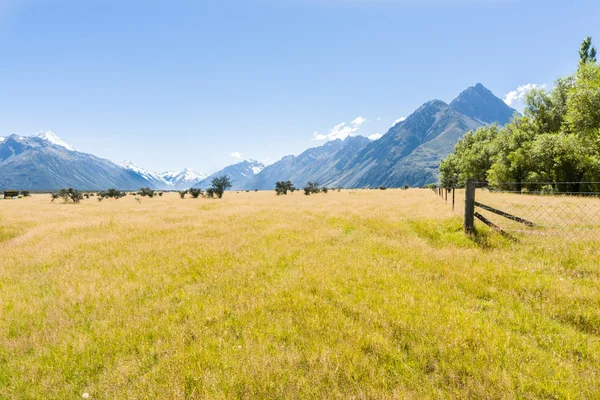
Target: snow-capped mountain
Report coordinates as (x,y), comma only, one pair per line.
(167,180)
(188,177)
(2,139)
(49,136)
(240,174)
(44,162)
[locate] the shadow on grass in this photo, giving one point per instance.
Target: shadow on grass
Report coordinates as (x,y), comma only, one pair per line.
(450,232)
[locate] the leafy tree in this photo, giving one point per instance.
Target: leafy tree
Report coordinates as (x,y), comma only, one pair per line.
(311,188)
(114,193)
(220,184)
(556,140)
(146,192)
(282,187)
(210,192)
(195,192)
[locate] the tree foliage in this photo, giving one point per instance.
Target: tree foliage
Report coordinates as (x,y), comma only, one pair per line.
(146,192)
(312,188)
(282,187)
(195,192)
(557,139)
(70,194)
(220,184)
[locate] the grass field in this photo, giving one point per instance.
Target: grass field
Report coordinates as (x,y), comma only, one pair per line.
(366,294)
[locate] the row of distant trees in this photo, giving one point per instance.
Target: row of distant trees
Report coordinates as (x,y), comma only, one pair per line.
(218,187)
(283,187)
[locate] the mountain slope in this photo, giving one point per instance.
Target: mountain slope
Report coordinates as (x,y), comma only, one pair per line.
(409,153)
(321,164)
(38,163)
(240,174)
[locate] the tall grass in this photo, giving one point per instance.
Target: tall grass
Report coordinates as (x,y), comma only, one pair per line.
(356,294)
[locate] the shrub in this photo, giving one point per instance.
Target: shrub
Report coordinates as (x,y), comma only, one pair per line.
(25,193)
(195,192)
(405,187)
(210,192)
(70,194)
(324,190)
(220,184)
(146,192)
(54,196)
(160,194)
(311,187)
(182,193)
(382,187)
(113,194)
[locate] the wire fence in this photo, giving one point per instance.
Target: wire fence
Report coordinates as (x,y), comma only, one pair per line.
(568,210)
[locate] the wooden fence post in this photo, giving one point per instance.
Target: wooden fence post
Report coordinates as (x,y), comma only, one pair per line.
(470,206)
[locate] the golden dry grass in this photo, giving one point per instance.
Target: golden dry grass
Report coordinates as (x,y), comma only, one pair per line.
(352,294)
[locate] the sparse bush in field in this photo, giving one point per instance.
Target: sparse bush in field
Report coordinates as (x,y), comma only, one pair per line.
(431,186)
(282,187)
(100,198)
(220,184)
(160,194)
(20,196)
(195,192)
(382,187)
(405,187)
(87,195)
(256,190)
(25,193)
(182,193)
(247,191)
(210,192)
(311,188)
(146,192)
(92,194)
(113,194)
(9,194)
(54,196)
(70,194)
(324,190)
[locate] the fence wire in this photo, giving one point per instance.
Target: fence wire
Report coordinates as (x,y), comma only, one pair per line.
(566,210)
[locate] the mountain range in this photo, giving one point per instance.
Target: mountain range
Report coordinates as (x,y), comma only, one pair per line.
(408,154)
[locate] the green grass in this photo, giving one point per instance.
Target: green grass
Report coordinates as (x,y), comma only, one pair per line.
(373,294)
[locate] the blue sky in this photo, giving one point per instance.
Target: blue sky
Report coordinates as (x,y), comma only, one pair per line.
(174,84)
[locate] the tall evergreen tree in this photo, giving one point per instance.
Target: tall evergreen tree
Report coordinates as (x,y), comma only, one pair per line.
(587,53)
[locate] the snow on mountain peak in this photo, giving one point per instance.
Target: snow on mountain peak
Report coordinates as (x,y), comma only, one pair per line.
(50,137)
(168,179)
(2,139)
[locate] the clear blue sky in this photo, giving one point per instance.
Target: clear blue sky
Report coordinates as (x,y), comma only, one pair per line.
(173,84)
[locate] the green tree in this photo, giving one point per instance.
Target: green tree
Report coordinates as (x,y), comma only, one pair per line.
(195,192)
(587,52)
(282,187)
(220,184)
